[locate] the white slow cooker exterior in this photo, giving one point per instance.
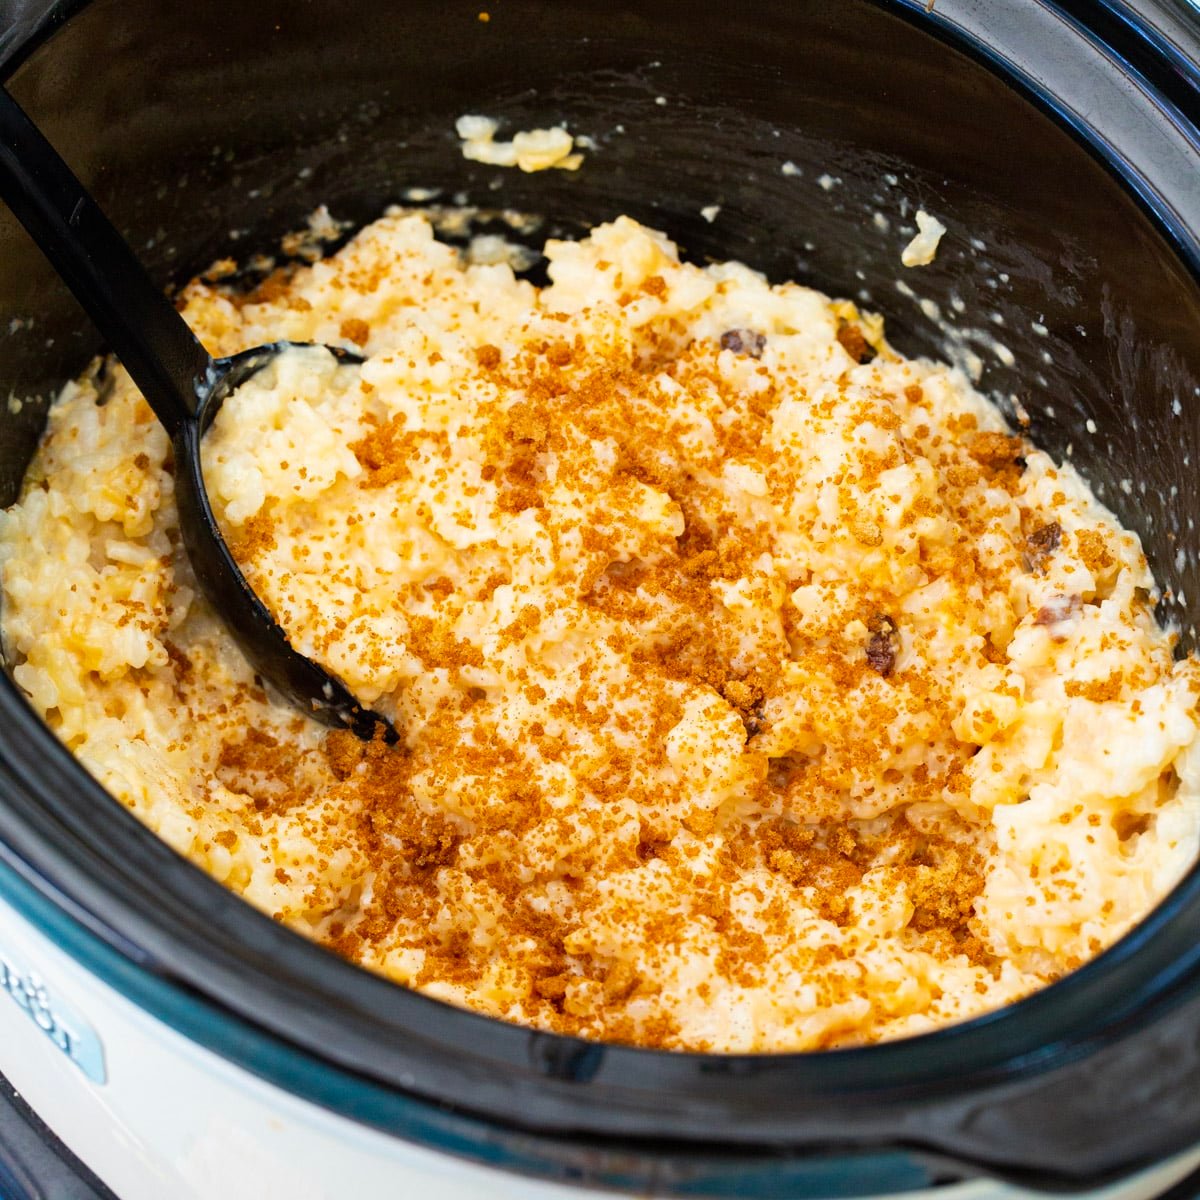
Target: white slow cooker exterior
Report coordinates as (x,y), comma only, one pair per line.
(156,1116)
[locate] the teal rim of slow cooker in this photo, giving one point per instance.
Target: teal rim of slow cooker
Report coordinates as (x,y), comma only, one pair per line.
(852,1173)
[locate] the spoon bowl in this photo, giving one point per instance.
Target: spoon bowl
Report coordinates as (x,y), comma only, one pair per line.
(183,384)
(262,639)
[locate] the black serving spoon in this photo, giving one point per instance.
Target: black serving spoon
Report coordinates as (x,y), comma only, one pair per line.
(182,383)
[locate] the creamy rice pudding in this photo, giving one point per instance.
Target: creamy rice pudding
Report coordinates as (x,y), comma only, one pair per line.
(759,690)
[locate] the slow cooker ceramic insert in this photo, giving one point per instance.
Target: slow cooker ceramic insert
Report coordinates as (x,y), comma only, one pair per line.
(169,1043)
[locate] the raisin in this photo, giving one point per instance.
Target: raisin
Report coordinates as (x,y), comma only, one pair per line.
(1041,543)
(881,649)
(743,341)
(1046,539)
(1058,608)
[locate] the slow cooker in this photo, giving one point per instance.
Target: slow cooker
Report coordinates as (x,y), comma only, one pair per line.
(161,1040)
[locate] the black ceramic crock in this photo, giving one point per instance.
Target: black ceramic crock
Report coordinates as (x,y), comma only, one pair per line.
(1058,141)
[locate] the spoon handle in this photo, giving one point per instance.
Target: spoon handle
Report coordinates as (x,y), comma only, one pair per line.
(137,321)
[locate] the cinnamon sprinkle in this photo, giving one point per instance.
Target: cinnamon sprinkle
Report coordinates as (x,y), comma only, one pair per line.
(711,663)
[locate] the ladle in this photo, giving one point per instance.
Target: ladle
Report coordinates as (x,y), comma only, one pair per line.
(183,384)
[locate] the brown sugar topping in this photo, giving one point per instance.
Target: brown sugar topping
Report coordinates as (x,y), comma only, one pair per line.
(544,831)
(256,536)
(385,452)
(1000,455)
(355,330)
(488,357)
(741,678)
(1093,551)
(855,343)
(268,770)
(1098,691)
(344,750)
